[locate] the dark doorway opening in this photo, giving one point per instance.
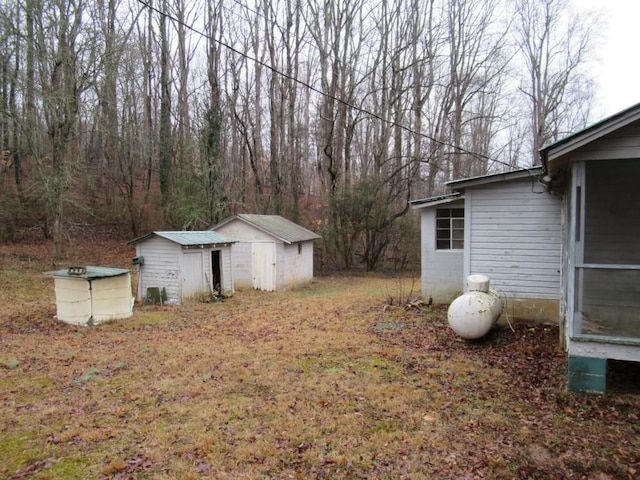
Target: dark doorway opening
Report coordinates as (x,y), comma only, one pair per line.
(216,271)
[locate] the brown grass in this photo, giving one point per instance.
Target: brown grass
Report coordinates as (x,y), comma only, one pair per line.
(322,382)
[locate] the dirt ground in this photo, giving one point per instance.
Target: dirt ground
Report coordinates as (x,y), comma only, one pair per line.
(336,380)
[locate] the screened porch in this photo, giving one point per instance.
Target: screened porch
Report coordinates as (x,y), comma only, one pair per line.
(606,227)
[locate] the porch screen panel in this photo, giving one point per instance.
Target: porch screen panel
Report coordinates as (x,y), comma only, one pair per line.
(611,302)
(608,277)
(612,213)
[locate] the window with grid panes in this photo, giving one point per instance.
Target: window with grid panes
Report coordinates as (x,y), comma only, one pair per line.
(450,228)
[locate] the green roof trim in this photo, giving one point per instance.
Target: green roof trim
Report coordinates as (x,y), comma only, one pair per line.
(189,238)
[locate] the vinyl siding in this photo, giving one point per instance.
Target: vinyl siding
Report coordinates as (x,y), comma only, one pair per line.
(298,267)
(514,237)
(291,269)
(241,264)
(161,267)
(622,143)
(227,271)
(442,270)
(243,232)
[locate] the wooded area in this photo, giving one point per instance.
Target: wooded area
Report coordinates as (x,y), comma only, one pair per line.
(172,114)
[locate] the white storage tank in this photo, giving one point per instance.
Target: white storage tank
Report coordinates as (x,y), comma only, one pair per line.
(92,295)
(473,313)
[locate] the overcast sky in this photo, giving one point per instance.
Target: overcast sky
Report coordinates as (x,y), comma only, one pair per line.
(617,70)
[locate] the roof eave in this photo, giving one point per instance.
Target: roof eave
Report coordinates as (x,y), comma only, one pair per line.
(461,184)
(568,144)
(313,236)
(435,201)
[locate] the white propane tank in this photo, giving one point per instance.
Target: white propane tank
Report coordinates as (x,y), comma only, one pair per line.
(473,313)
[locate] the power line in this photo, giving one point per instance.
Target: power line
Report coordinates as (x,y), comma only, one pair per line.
(321,93)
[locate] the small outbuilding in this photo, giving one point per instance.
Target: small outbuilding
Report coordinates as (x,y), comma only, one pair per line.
(92,295)
(272,253)
(183,265)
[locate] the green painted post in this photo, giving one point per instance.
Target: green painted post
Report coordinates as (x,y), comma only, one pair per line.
(587,374)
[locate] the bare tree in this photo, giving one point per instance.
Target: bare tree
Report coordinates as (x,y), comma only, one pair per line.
(554,43)
(165,143)
(475,60)
(211,154)
(65,64)
(336,29)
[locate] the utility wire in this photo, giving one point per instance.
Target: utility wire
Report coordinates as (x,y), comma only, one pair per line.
(321,93)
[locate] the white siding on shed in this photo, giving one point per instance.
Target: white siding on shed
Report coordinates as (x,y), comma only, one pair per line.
(244,232)
(227,270)
(161,267)
(242,265)
(298,263)
(254,266)
(184,271)
(514,237)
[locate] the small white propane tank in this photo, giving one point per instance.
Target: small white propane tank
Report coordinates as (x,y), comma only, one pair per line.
(473,313)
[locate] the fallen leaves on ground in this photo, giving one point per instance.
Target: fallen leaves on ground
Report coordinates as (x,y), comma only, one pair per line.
(321,382)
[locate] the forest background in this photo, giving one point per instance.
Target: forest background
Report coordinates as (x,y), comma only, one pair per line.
(127,116)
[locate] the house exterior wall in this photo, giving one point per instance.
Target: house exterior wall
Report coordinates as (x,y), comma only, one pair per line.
(513,235)
(596,171)
(161,267)
(442,278)
(621,143)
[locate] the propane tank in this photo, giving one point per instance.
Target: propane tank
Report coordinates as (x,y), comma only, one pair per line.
(473,313)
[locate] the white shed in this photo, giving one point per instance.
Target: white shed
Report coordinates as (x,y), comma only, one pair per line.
(272,253)
(184,264)
(92,295)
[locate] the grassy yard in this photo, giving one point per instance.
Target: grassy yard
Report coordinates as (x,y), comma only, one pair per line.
(329,381)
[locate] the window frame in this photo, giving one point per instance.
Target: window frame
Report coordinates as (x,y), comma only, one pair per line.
(449,228)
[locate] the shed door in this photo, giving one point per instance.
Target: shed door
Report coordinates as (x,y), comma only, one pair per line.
(192,274)
(216,272)
(263,266)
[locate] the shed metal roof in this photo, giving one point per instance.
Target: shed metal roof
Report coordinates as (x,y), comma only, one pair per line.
(189,238)
(276,226)
(462,183)
(438,200)
(90,272)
